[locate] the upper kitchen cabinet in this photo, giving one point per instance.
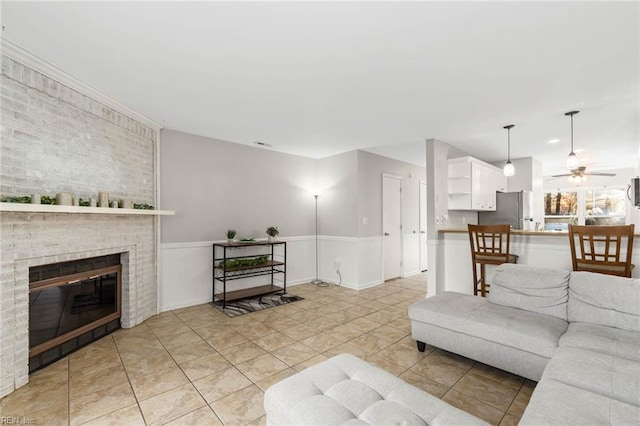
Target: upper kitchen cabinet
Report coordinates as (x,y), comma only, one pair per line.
(473,184)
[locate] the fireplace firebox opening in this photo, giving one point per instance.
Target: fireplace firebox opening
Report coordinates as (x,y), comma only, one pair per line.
(72,304)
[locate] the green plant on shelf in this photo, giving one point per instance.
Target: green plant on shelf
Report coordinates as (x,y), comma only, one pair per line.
(272,231)
(22,200)
(45,199)
(142,206)
(244,263)
(231,234)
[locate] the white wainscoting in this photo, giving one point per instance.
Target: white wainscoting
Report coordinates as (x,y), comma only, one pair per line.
(186,268)
(360,261)
(436,267)
(411,254)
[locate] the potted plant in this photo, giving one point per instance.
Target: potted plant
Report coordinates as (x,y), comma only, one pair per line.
(231,233)
(272,232)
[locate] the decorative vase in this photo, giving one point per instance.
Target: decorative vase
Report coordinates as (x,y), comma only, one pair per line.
(271,238)
(63,199)
(103,199)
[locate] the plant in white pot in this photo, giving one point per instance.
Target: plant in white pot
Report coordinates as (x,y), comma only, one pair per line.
(231,233)
(272,232)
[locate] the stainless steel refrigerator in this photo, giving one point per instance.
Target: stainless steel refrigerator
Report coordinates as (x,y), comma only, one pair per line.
(514,208)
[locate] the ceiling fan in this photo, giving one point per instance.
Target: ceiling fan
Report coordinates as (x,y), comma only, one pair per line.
(580,174)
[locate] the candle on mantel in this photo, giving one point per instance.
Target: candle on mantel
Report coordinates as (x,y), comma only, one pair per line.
(103,199)
(63,199)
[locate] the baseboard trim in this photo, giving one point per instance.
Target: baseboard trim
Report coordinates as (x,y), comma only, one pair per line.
(370,284)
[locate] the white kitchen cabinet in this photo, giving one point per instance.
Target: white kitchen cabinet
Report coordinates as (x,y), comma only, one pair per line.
(500,180)
(472,184)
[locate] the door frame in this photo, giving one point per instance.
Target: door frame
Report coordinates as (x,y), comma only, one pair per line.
(422,248)
(398,177)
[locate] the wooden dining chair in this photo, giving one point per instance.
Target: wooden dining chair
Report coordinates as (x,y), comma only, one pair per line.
(600,248)
(489,246)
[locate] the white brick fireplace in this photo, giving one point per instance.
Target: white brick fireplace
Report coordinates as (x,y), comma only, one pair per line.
(56,138)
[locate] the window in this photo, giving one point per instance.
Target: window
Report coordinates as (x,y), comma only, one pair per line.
(584,206)
(605,207)
(560,209)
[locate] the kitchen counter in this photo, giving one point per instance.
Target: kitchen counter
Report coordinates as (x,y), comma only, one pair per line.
(517,232)
(547,249)
(513,232)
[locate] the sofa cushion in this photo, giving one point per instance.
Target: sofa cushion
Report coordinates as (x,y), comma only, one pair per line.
(474,316)
(533,289)
(605,300)
(599,338)
(348,390)
(557,403)
(596,372)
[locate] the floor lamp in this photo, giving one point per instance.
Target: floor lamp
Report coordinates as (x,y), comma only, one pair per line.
(318,281)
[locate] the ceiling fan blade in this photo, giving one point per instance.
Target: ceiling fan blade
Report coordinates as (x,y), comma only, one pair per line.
(562,175)
(599,174)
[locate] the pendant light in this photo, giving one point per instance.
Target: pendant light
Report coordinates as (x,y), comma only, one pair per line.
(509,170)
(572,161)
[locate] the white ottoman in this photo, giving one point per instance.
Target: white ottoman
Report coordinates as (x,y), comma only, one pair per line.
(348,390)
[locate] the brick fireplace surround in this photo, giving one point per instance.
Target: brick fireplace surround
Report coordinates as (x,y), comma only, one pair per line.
(56,139)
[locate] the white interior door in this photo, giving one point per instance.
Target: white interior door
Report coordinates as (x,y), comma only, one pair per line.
(423,226)
(392,225)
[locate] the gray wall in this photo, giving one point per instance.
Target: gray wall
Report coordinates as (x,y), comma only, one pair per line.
(215,185)
(370,170)
(338,201)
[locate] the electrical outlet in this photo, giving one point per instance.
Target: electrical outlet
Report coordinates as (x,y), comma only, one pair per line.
(336,265)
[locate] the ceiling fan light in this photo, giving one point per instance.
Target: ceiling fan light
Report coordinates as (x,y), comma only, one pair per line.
(572,161)
(508,169)
(577,179)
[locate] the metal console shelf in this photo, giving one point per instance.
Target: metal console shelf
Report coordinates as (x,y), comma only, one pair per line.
(275,264)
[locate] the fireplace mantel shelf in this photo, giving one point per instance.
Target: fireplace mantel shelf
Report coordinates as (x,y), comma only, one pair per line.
(49,208)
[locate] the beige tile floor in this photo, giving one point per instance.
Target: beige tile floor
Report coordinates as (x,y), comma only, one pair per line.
(198,366)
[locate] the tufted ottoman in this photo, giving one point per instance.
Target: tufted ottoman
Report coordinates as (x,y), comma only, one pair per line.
(348,390)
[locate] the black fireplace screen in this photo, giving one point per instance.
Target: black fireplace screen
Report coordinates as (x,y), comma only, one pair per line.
(58,310)
(72,304)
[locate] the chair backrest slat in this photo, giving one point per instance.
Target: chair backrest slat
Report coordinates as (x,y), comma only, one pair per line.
(491,241)
(600,249)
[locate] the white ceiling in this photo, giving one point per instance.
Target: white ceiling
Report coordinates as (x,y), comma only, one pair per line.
(316,79)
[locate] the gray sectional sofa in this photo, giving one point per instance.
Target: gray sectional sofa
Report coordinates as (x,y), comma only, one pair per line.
(577,333)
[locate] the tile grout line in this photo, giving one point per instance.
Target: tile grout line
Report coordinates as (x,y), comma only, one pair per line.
(129,381)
